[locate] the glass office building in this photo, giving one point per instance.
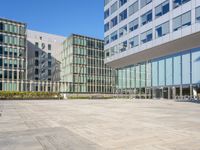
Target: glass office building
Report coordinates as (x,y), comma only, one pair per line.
(154,45)
(12,55)
(83,66)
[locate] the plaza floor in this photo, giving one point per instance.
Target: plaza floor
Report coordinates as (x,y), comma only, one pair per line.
(99,125)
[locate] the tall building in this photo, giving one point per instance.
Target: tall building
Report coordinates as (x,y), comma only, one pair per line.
(12,55)
(83,66)
(44,60)
(154,45)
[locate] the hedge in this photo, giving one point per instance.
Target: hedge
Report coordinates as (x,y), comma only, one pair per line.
(8,95)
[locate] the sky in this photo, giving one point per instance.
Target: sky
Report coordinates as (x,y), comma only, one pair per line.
(61,17)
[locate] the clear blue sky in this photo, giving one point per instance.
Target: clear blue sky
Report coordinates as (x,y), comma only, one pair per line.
(61,17)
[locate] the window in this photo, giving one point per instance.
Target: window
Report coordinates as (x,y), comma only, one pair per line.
(49,72)
(36,44)
(106,2)
(133,8)
(114,36)
(177,3)
(1,50)
(36,63)
(123,15)
(114,22)
(133,25)
(49,64)
(122,31)
(49,46)
(162,9)
(123,46)
(49,55)
(36,54)
(133,42)
(122,2)
(147,17)
(114,7)
(182,21)
(10,74)
(1,38)
(106,27)
(1,26)
(144,2)
(36,71)
(197,12)
(162,29)
(146,36)
(106,14)
(106,40)
(5,74)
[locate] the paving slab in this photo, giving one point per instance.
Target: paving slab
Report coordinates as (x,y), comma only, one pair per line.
(99,125)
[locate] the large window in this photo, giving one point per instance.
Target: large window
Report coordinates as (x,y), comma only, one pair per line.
(106,27)
(122,2)
(106,13)
(182,21)
(133,25)
(197,12)
(162,29)
(114,22)
(114,36)
(114,7)
(123,46)
(122,31)
(144,2)
(162,9)
(133,42)
(106,40)
(133,8)
(147,17)
(146,36)
(177,3)
(123,15)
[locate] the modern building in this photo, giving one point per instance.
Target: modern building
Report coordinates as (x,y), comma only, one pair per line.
(83,66)
(13,55)
(154,45)
(44,60)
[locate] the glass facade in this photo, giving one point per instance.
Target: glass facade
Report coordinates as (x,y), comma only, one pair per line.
(12,55)
(83,66)
(179,71)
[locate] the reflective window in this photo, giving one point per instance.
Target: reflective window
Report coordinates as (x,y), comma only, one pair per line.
(106,27)
(177,70)
(182,21)
(146,36)
(123,46)
(114,7)
(106,14)
(122,2)
(122,31)
(123,15)
(147,17)
(162,29)
(133,42)
(161,72)
(114,36)
(144,2)
(195,67)
(197,13)
(162,9)
(155,73)
(133,8)
(106,40)
(169,72)
(177,3)
(186,68)
(133,25)
(114,22)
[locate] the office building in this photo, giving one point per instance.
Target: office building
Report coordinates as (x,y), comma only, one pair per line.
(154,45)
(83,66)
(12,55)
(44,60)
